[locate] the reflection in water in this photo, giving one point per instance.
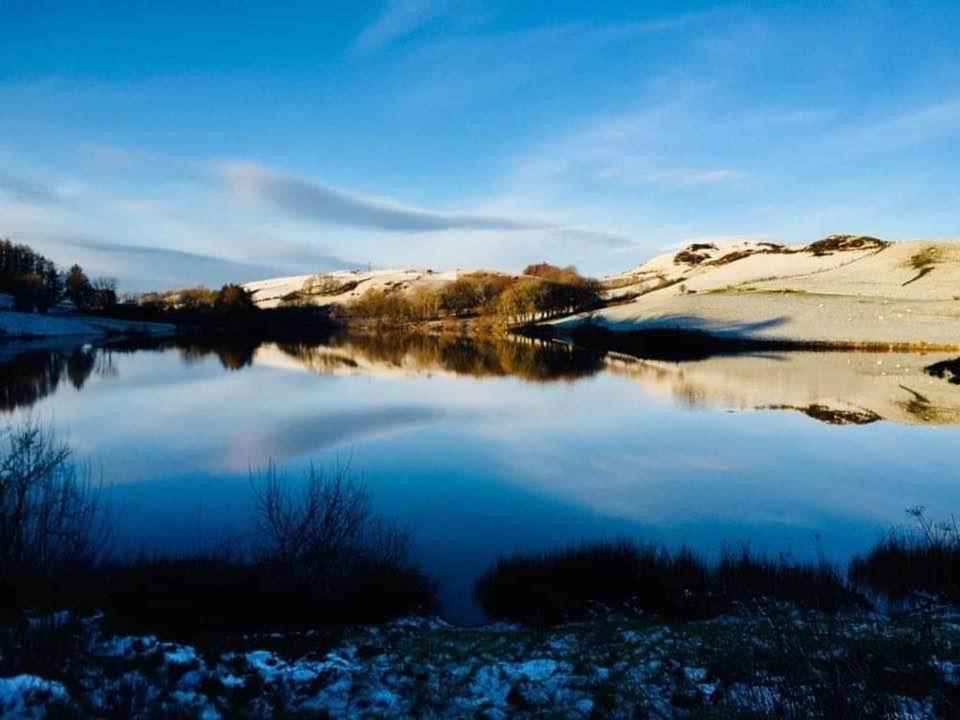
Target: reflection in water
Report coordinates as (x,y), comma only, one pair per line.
(470,444)
(837,388)
(30,376)
(528,359)
(233,353)
(946,369)
(302,435)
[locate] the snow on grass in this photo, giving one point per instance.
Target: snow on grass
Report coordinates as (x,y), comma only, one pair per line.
(180,655)
(36,325)
(424,668)
(28,696)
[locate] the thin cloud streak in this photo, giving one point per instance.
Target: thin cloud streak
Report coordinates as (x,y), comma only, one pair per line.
(398,19)
(672,178)
(313,201)
(23,190)
(161,254)
(152,267)
(933,122)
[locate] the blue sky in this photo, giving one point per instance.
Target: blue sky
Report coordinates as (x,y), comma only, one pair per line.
(171,143)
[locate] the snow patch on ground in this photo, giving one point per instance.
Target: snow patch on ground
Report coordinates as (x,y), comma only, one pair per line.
(426,668)
(36,325)
(28,696)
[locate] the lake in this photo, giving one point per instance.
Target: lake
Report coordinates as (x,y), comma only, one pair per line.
(484,448)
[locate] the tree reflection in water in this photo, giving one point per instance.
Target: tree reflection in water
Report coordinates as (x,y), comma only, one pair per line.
(31,375)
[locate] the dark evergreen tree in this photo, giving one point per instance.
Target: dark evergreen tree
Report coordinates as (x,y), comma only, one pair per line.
(78,287)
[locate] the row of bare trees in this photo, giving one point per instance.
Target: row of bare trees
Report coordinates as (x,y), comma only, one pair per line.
(542,291)
(229,298)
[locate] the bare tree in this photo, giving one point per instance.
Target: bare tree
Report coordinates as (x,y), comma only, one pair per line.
(317,528)
(51,511)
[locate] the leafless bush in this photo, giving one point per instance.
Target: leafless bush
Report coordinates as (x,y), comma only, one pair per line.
(314,529)
(51,512)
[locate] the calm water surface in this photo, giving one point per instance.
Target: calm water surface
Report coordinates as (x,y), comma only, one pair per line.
(483,449)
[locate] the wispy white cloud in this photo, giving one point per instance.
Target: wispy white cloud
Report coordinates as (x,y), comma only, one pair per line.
(628,174)
(647,146)
(398,19)
(299,198)
(156,222)
(456,69)
(313,201)
(938,121)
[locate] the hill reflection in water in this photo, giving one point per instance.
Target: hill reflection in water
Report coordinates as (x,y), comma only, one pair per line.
(838,388)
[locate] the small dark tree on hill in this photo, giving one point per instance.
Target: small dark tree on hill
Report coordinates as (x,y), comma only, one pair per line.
(78,287)
(232,299)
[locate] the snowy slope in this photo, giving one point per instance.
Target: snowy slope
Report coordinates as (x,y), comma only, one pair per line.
(843,289)
(343,287)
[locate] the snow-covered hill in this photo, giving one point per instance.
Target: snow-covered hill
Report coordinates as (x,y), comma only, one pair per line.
(842,289)
(342,287)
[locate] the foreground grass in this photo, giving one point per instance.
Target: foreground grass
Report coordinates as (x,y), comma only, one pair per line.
(775,662)
(632,579)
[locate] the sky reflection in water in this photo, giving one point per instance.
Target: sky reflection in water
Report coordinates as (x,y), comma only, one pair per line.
(479,455)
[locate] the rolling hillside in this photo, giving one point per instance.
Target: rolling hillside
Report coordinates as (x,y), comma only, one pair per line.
(842,289)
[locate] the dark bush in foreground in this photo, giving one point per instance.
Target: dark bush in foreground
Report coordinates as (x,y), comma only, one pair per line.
(217,594)
(52,524)
(552,587)
(625,577)
(925,560)
(319,556)
(744,578)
